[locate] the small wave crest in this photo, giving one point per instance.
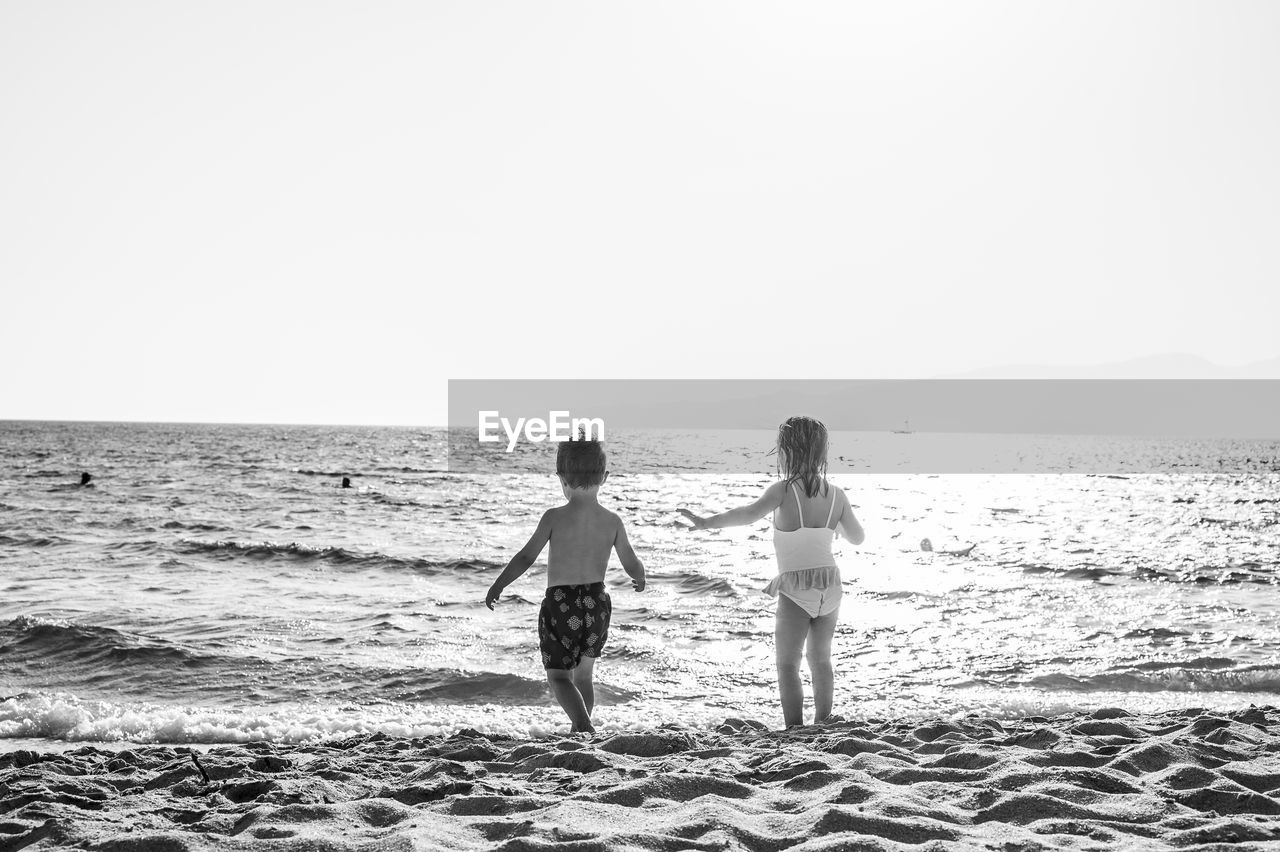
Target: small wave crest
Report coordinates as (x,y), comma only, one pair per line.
(1079,572)
(234,550)
(398,502)
(193,526)
(1226,575)
(693,583)
(32,541)
(1209,674)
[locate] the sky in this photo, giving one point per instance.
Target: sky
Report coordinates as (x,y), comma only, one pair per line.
(322,212)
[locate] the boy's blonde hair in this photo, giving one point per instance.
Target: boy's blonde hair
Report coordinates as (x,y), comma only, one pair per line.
(581,462)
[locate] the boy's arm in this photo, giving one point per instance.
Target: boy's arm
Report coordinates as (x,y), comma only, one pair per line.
(749,514)
(630,562)
(848,524)
(522,560)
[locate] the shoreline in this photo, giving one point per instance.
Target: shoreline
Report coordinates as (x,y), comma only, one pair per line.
(1106,779)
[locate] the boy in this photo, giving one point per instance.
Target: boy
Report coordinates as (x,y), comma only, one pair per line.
(574,620)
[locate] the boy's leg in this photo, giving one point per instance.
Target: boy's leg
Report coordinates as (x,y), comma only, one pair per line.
(790,628)
(819,653)
(582,680)
(570,699)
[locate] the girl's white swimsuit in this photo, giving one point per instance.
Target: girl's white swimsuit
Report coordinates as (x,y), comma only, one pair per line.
(807,570)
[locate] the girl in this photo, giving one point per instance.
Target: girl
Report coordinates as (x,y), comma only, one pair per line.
(808,581)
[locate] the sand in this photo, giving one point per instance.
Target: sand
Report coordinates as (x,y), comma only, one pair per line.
(1107,780)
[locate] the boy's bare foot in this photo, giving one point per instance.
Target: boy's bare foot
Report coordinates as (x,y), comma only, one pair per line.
(830,719)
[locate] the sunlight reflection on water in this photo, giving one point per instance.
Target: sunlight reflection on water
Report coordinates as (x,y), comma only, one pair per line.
(222,571)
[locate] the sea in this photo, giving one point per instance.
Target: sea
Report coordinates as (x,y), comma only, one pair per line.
(216,584)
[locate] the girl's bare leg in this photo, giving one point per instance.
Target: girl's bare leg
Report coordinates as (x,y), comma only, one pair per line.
(790,628)
(818,651)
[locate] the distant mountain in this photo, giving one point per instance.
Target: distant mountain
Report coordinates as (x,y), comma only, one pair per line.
(1171,366)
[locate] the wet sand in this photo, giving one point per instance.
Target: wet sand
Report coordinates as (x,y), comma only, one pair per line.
(1106,780)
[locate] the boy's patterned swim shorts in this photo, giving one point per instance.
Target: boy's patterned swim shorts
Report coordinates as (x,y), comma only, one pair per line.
(573,623)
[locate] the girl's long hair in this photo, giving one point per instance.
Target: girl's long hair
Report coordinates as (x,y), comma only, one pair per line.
(802,454)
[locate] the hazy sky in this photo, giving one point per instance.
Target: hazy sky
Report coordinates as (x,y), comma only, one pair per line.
(320,212)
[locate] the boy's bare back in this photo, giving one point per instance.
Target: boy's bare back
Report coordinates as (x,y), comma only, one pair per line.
(582,534)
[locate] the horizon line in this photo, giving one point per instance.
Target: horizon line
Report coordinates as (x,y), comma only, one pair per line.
(447,428)
(217,422)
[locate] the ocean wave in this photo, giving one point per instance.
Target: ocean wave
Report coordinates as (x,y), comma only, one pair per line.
(234,550)
(86,659)
(66,717)
(1155,634)
(375,470)
(694,583)
(193,527)
(379,497)
(1200,675)
(1079,572)
(1223,575)
(62,716)
(32,541)
(458,686)
(96,652)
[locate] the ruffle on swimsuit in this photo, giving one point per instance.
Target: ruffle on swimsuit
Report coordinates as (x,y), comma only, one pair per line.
(807,571)
(803,580)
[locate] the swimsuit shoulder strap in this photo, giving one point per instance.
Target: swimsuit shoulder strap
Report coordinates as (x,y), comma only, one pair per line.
(799,505)
(832,512)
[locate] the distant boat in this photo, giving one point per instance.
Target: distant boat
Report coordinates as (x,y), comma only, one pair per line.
(905,430)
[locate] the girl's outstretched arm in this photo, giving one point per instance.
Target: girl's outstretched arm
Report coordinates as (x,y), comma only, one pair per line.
(749,514)
(848,523)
